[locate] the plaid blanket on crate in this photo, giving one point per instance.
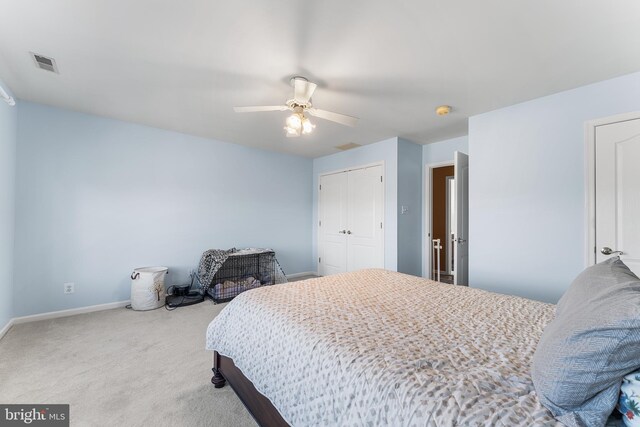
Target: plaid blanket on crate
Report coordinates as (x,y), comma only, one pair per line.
(210,263)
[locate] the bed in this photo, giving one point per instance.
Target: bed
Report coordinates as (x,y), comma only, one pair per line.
(375,347)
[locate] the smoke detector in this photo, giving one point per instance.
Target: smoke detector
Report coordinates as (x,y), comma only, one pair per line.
(44,62)
(443,110)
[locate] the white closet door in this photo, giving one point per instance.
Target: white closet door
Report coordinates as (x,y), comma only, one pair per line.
(618,192)
(333,224)
(364,230)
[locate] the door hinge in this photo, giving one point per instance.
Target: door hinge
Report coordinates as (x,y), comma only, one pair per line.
(380,225)
(319,260)
(320,186)
(381,179)
(319,223)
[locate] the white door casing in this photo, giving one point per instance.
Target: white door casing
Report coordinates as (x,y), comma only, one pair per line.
(333,224)
(364,238)
(617,191)
(452,219)
(461,260)
(427,268)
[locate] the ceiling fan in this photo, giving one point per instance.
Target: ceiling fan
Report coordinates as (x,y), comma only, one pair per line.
(297,124)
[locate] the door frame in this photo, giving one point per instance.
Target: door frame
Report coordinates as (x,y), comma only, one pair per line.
(449,252)
(384,206)
(590,179)
(428,224)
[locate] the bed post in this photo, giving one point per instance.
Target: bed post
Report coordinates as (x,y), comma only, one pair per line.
(217,380)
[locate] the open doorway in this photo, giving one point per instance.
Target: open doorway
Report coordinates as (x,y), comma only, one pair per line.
(442,221)
(446,247)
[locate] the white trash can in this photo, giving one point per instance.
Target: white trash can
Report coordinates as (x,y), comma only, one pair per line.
(147,288)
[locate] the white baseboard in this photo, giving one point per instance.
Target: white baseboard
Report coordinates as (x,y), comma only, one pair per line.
(70,312)
(61,313)
(6,328)
(303,274)
(92,308)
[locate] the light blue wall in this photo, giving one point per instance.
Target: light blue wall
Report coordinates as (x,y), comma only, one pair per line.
(386,151)
(99,197)
(437,152)
(8,138)
(442,151)
(527,188)
(410,195)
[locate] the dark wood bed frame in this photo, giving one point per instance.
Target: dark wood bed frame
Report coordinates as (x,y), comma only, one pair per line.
(261,408)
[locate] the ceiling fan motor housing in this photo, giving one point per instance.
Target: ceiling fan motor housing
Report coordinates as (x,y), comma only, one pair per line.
(293,79)
(295,105)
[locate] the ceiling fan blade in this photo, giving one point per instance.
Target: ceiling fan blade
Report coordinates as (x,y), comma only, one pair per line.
(303,90)
(258,109)
(334,117)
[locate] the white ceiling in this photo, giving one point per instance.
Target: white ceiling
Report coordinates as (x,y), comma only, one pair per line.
(183,65)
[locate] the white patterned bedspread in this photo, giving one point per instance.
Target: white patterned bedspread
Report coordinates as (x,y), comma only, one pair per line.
(379,348)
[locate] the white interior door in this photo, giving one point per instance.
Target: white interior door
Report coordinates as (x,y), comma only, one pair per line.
(452,219)
(364,230)
(333,224)
(461,257)
(617,192)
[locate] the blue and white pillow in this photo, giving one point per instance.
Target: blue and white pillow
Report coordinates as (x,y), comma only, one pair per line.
(594,341)
(629,404)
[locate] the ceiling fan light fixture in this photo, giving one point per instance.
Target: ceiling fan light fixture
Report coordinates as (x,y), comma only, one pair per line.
(294,121)
(307,126)
(291,131)
(297,124)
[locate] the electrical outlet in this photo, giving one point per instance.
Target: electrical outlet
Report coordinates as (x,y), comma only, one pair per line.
(69,288)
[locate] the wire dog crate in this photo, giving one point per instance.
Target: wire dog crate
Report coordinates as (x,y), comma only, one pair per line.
(243,270)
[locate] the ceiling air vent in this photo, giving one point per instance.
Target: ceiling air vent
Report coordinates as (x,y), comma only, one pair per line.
(349,146)
(45,62)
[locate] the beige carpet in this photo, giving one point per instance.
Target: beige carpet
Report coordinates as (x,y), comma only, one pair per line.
(121,368)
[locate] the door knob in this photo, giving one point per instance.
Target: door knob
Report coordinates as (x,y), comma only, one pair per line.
(609,251)
(342,231)
(348,231)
